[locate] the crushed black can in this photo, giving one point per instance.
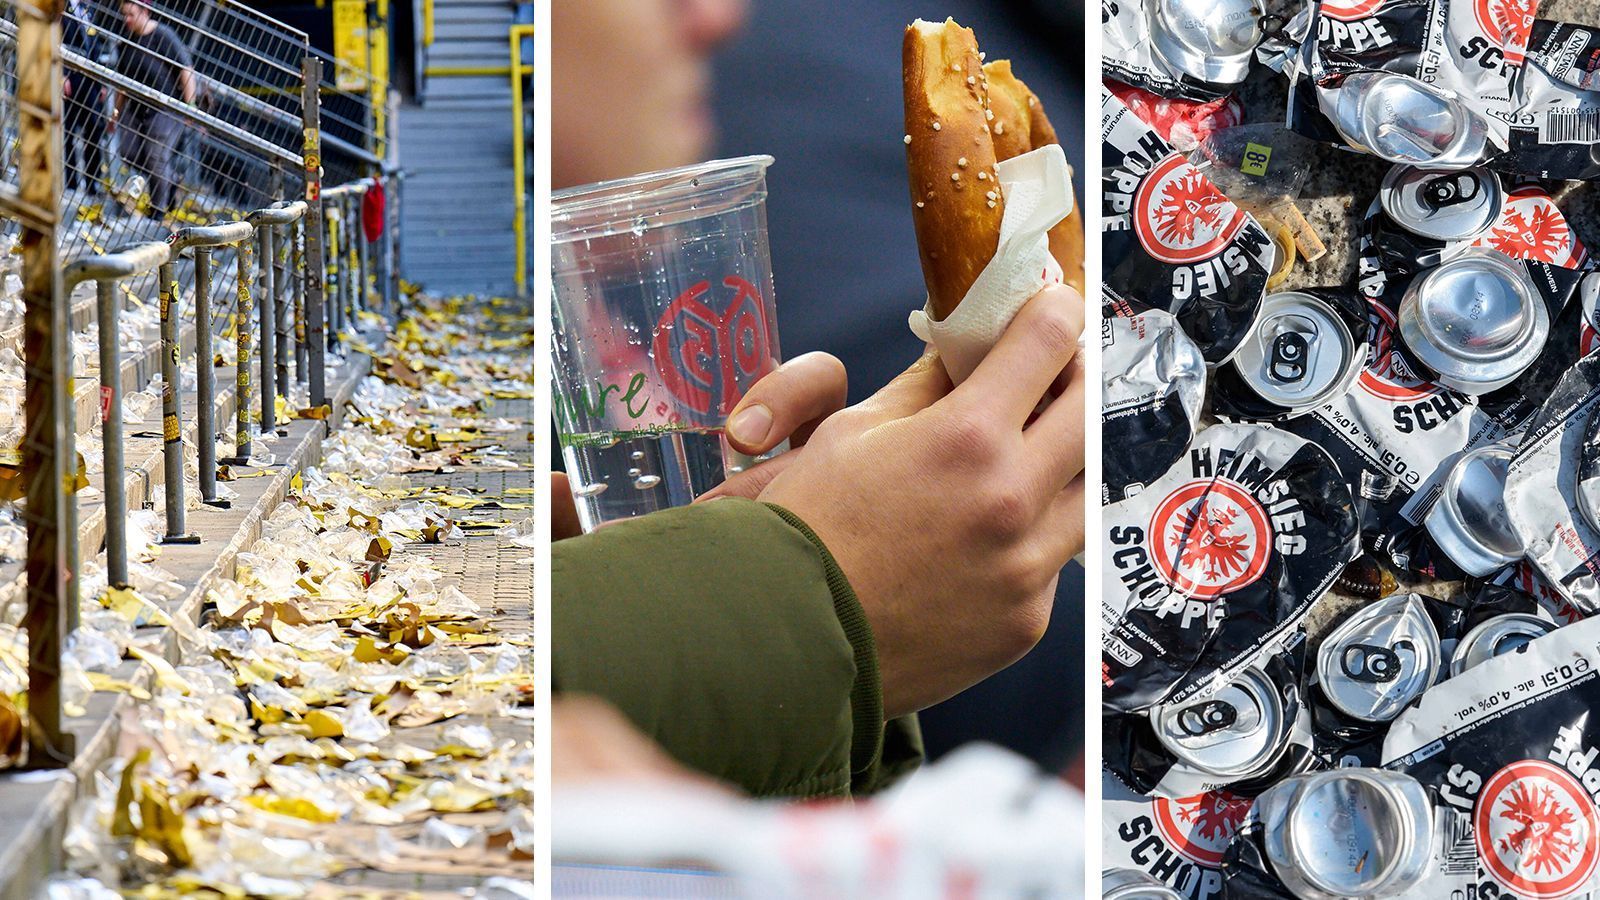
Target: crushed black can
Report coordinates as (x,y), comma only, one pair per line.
(1542,495)
(1153,386)
(1173,241)
(1507,751)
(1305,350)
(1422,82)
(1555,130)
(1215,563)
(1241,735)
(1178,842)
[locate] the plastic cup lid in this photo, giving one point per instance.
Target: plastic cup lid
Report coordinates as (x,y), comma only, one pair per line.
(1469,520)
(1475,320)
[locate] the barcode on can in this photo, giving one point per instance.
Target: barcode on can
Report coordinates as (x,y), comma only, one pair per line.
(1458,852)
(1570,126)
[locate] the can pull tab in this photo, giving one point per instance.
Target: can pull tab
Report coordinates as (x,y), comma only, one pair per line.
(1289,357)
(1449,190)
(1204,718)
(1376,665)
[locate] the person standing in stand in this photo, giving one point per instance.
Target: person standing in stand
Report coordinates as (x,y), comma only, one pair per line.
(85,103)
(151,55)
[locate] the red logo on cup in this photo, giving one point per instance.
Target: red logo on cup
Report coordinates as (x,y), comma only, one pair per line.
(1209,538)
(1387,375)
(1507,23)
(1349,10)
(1535,828)
(1180,216)
(704,355)
(1198,828)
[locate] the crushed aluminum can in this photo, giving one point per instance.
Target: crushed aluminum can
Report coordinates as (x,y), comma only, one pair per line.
(1346,833)
(1392,434)
(1414,81)
(1445,205)
(1154,382)
(1131,884)
(1507,750)
(1211,41)
(1249,528)
(1234,733)
(1469,520)
(1173,241)
(1128,54)
(1305,350)
(1498,636)
(1241,735)
(1542,489)
(1403,120)
(1476,321)
(1375,663)
(1176,841)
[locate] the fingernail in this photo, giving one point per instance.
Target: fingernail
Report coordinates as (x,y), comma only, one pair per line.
(750,425)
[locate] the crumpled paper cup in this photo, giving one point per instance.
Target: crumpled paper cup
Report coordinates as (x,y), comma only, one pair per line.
(1038,192)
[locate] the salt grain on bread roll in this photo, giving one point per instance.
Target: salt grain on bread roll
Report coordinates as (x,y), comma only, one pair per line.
(950,155)
(1020,125)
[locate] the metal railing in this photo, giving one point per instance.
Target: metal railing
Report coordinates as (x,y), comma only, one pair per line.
(262,196)
(518,71)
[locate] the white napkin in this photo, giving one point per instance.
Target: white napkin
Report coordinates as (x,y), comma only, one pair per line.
(1038,191)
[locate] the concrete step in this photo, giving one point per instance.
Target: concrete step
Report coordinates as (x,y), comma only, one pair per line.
(30,838)
(449,33)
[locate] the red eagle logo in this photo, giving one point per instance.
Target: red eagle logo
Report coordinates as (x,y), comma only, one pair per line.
(1535,829)
(1203,537)
(1199,828)
(1545,839)
(1540,233)
(1190,201)
(1508,23)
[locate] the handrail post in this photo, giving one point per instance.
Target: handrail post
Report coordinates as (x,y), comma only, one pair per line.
(172,411)
(363,251)
(241,365)
(265,313)
(201,240)
(105,270)
(205,378)
(336,274)
(280,305)
(301,368)
(47,447)
(311,153)
(106,314)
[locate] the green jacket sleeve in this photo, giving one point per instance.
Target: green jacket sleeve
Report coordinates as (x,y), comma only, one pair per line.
(726,632)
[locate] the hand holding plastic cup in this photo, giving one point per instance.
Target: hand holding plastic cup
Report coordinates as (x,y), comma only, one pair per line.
(663,318)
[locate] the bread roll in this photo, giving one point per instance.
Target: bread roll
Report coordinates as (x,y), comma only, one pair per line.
(956,201)
(1020,125)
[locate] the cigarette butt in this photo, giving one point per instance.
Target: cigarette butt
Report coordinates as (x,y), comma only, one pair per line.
(1305,237)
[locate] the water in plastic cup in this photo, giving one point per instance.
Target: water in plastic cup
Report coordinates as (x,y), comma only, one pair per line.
(663,318)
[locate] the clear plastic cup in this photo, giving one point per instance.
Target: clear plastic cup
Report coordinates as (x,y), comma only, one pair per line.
(663,318)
